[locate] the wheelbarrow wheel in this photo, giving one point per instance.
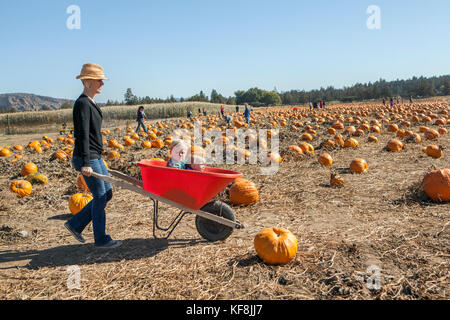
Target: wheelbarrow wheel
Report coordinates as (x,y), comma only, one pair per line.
(211,230)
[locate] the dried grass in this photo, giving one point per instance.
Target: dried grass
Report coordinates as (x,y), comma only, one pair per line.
(379,218)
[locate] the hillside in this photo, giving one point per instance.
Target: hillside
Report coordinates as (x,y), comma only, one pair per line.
(13,102)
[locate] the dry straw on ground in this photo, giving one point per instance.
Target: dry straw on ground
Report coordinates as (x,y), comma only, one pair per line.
(379,220)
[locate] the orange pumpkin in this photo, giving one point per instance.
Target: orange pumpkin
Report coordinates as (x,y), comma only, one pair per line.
(78,201)
(158,143)
(436,185)
(146,144)
(336,181)
(296,149)
(351,143)
(325,160)
(81,184)
(306,147)
(434,151)
(243,192)
(275,245)
(28,168)
(432,134)
(358,166)
(22,188)
(395,145)
(4,152)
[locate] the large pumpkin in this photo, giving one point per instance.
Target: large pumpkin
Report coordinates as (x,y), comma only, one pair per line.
(243,191)
(436,185)
(22,188)
(78,201)
(275,245)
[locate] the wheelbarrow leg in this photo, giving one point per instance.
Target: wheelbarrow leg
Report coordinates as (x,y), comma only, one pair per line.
(172,225)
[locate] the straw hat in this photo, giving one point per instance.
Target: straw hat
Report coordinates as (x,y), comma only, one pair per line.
(92,71)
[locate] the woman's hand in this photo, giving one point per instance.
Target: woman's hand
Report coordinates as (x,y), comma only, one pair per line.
(86,171)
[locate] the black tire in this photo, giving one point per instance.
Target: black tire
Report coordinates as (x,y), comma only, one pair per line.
(211,230)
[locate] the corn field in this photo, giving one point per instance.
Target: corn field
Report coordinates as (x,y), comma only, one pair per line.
(43,121)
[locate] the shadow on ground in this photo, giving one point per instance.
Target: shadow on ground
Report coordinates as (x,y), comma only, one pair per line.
(85,254)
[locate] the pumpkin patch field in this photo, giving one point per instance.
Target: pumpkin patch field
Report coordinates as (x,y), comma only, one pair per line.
(358,208)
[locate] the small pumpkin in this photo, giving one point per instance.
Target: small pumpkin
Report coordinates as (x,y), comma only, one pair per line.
(325,160)
(358,165)
(158,143)
(275,245)
(22,188)
(351,143)
(395,145)
(5,152)
(81,184)
(296,149)
(146,144)
(113,154)
(434,151)
(28,168)
(78,201)
(306,147)
(37,178)
(336,181)
(432,134)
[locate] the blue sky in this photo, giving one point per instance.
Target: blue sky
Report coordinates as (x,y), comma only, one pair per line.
(159,48)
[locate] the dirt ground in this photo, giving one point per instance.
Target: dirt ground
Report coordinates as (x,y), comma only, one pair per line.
(378,237)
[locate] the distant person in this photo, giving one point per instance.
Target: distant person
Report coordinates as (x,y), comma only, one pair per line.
(87,158)
(199,112)
(228,119)
(391,102)
(247,114)
(410,100)
(315,105)
(237,109)
(141,118)
(323,104)
(384,102)
(222,111)
(189,114)
(204,112)
(310,105)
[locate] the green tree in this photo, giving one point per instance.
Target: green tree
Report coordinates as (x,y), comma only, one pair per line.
(270,98)
(130,98)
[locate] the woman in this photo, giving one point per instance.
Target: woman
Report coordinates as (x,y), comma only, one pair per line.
(141,117)
(87,158)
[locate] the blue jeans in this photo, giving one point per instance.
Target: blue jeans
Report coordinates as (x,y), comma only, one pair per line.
(141,123)
(95,210)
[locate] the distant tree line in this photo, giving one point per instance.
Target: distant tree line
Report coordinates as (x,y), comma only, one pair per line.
(416,88)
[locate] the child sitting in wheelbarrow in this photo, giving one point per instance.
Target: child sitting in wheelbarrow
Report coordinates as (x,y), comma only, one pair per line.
(178,152)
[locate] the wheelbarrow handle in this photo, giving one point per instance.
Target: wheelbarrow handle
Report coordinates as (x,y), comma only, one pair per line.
(140,190)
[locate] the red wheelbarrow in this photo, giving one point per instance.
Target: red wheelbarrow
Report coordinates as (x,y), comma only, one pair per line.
(188,190)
